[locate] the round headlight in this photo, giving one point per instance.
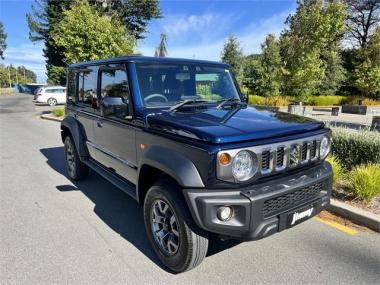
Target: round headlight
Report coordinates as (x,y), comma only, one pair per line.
(325,147)
(244,165)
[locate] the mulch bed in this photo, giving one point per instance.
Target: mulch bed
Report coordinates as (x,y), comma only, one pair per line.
(342,193)
(325,215)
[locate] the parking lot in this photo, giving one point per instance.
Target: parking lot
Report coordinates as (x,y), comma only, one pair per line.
(53,231)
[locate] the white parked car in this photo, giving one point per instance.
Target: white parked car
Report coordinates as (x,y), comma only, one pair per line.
(52,95)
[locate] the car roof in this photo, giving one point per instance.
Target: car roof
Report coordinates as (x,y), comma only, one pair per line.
(53,87)
(150,59)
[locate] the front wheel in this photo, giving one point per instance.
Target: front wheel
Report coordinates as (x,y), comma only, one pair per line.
(177,241)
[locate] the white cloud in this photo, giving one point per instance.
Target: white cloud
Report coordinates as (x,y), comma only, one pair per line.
(28,55)
(210,32)
(177,25)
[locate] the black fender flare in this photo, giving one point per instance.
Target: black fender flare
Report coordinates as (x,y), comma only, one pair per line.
(172,163)
(77,133)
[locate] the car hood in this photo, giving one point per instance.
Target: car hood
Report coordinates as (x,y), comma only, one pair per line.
(230,125)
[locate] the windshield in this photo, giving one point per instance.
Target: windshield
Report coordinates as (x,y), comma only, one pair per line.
(167,84)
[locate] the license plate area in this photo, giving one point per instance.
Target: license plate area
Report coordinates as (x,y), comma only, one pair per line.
(301,214)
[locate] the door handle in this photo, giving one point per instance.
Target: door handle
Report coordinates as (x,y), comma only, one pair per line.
(99,123)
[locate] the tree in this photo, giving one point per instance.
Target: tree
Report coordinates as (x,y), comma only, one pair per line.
(363,18)
(3,37)
(11,74)
(310,47)
(367,73)
(135,14)
(161,50)
(46,14)
(269,69)
(84,35)
(232,54)
(250,73)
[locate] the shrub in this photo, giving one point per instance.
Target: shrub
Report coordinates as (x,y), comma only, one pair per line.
(352,147)
(337,167)
(7,91)
(276,101)
(256,100)
(354,100)
(58,112)
(327,100)
(365,181)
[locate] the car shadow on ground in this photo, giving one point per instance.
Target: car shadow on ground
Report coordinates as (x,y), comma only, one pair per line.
(119,211)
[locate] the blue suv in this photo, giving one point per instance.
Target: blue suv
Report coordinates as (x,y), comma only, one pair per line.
(178,136)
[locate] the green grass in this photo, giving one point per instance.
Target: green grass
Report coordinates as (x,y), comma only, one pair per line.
(365,181)
(58,112)
(338,170)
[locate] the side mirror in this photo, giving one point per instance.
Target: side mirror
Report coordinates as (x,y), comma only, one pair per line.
(94,103)
(245,98)
(108,102)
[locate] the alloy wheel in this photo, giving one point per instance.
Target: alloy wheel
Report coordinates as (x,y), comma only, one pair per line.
(164,227)
(52,102)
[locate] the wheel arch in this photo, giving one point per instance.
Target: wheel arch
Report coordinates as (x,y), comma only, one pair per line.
(159,161)
(71,127)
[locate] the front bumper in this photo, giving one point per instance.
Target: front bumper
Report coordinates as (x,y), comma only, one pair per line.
(263,209)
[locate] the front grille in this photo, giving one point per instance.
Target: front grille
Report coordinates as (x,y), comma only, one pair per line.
(294,155)
(265,160)
(278,204)
(280,157)
(304,151)
(313,149)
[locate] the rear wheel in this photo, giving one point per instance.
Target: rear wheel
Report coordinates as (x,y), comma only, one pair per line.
(76,169)
(52,101)
(177,241)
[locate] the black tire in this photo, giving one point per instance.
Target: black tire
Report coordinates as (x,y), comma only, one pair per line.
(192,241)
(76,169)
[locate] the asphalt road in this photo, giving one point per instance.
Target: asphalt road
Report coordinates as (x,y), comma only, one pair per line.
(55,232)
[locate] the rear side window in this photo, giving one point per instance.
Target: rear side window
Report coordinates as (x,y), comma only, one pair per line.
(60,90)
(86,86)
(70,85)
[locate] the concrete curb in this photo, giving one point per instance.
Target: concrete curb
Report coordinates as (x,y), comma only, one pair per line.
(358,215)
(51,118)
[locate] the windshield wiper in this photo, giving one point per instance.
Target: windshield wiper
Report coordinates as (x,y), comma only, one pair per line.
(225,101)
(185,102)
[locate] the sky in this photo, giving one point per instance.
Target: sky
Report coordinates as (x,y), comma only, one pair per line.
(195,28)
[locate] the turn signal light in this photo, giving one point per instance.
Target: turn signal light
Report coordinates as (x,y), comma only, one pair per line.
(224,159)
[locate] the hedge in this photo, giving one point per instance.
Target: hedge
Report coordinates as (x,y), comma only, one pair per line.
(353,147)
(58,112)
(333,100)
(322,100)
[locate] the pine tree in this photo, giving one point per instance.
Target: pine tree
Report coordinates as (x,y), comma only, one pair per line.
(269,70)
(232,54)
